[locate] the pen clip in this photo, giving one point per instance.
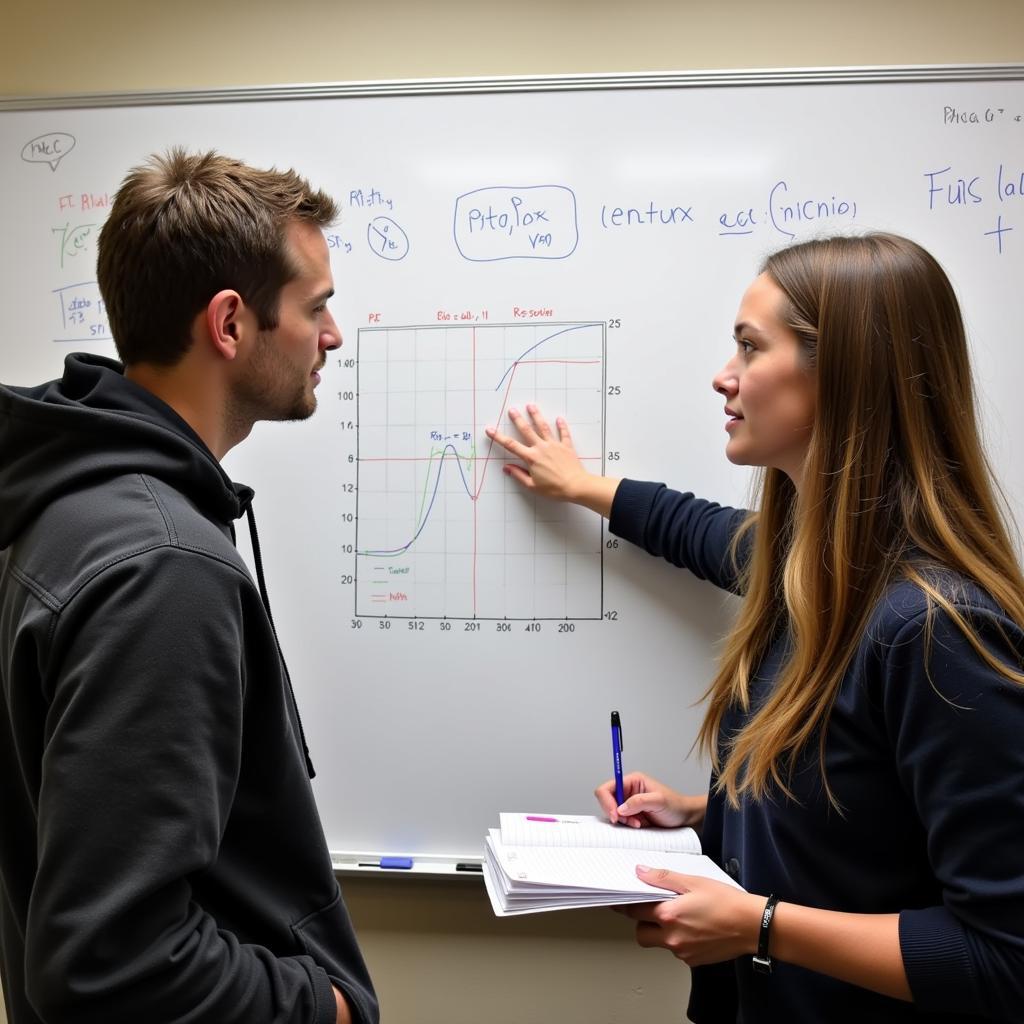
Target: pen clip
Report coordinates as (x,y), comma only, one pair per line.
(617,724)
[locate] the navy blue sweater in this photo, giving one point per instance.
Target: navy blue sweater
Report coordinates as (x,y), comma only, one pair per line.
(925,753)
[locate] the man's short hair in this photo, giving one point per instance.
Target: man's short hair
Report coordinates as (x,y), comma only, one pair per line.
(184,226)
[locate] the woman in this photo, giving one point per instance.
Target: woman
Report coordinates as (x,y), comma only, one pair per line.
(866,726)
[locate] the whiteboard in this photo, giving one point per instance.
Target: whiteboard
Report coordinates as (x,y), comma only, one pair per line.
(456,648)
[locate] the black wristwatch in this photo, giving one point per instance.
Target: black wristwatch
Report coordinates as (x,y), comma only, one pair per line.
(761,960)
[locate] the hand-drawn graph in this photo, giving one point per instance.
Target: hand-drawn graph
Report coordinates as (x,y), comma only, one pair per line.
(441,532)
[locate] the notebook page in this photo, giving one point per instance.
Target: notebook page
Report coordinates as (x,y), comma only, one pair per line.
(586,831)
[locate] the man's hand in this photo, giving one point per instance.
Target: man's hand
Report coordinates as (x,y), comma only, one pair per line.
(344,1017)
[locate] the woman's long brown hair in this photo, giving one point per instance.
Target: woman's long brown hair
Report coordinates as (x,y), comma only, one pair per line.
(895,482)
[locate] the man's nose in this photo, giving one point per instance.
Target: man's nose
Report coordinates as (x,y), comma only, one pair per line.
(330,336)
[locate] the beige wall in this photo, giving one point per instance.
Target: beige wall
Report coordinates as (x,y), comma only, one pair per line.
(439,956)
(435,949)
(54,46)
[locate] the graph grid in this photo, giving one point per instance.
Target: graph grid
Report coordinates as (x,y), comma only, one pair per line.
(441,531)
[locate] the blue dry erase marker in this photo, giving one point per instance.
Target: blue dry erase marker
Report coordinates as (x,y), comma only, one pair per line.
(620,796)
(396,862)
(387,862)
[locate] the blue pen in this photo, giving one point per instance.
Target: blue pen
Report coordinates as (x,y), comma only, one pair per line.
(620,795)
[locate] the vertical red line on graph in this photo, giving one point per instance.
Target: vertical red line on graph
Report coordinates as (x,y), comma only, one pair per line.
(476,493)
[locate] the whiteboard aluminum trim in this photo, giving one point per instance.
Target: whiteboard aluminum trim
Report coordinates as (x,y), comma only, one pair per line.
(443,865)
(525,83)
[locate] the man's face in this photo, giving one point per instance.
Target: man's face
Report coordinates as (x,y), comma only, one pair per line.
(280,376)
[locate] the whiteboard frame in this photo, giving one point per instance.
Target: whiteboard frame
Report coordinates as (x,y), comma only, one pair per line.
(353,862)
(523,83)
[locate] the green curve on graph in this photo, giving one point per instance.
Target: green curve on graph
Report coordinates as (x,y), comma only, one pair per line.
(434,452)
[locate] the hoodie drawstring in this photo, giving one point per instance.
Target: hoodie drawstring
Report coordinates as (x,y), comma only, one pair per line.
(257,558)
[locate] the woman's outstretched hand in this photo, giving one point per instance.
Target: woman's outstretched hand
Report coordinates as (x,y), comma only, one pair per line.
(550,464)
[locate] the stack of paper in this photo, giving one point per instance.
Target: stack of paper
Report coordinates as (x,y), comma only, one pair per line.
(537,862)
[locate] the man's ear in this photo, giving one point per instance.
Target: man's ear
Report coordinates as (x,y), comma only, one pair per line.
(226,321)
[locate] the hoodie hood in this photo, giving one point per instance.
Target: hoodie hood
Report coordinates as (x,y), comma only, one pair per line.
(94,424)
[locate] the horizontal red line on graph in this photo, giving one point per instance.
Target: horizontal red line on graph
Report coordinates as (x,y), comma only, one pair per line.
(574,362)
(481,458)
(455,359)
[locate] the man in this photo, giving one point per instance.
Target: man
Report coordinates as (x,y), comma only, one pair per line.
(161,856)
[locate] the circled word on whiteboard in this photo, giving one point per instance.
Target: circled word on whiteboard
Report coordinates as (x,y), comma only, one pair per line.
(50,149)
(505,223)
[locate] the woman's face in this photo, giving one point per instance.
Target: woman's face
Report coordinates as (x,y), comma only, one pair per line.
(769,393)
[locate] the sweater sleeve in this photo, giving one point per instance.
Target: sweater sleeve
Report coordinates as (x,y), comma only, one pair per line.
(956,725)
(688,532)
(141,758)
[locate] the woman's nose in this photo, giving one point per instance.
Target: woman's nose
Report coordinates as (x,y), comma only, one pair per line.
(724,382)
